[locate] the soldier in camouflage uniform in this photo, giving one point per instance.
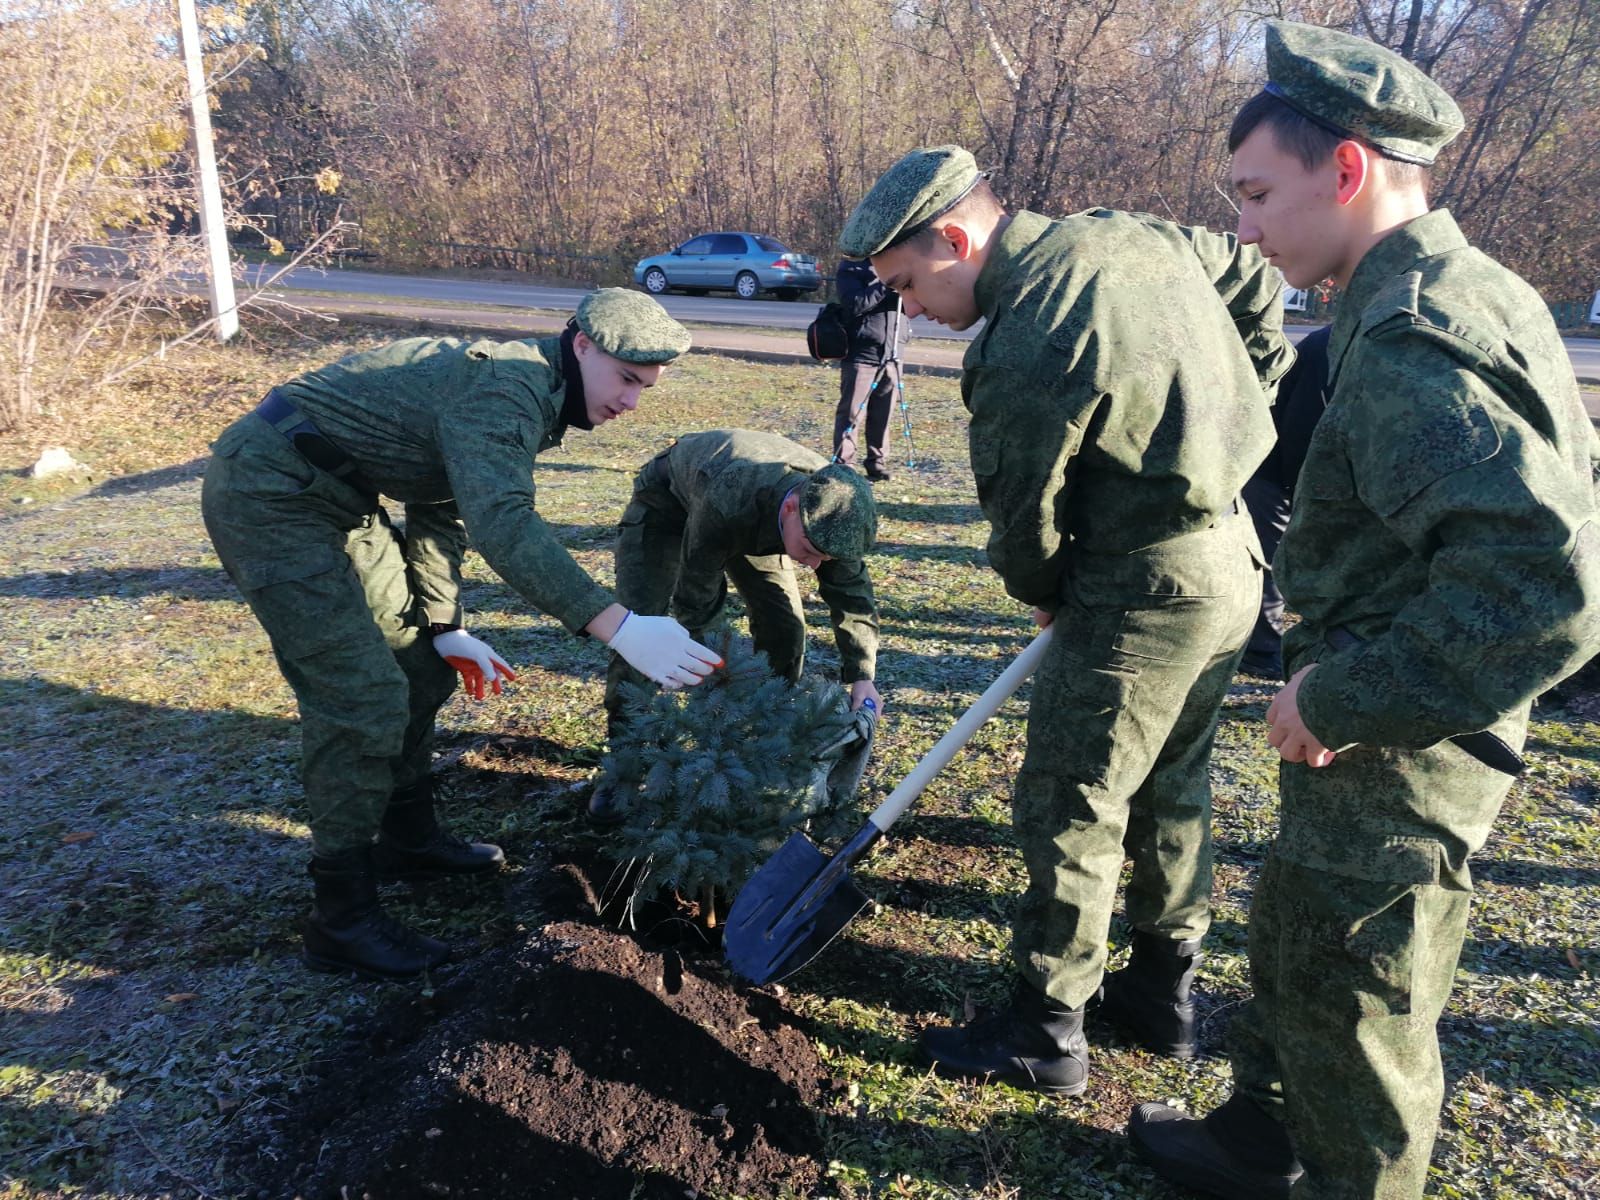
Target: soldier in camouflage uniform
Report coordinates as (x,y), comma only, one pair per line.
(740,505)
(365,621)
(1443,556)
(1118,395)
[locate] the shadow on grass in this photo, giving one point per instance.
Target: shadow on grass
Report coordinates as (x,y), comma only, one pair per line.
(1002,622)
(964,556)
(1047,1149)
(1518,872)
(1500,958)
(180,583)
(953,831)
(930,514)
(902,980)
(150,481)
(176,833)
(1555,1060)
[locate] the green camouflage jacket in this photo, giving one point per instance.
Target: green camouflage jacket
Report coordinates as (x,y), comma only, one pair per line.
(730,483)
(1445,509)
(1120,389)
(450,429)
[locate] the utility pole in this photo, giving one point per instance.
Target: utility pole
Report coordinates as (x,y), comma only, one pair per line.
(219,270)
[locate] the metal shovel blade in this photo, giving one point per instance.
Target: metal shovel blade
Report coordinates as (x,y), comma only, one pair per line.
(789,911)
(800,900)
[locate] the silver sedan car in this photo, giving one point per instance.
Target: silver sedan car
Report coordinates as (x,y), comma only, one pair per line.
(745,263)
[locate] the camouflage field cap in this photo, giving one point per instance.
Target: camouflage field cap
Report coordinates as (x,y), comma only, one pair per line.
(630,326)
(837,512)
(921,187)
(1356,88)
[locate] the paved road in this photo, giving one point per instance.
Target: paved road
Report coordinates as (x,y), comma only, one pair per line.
(764,313)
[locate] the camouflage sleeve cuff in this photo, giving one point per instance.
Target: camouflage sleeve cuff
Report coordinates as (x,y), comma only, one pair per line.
(577,611)
(856,667)
(435,612)
(1321,706)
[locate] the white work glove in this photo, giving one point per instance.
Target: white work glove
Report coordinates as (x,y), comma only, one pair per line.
(662,649)
(473,658)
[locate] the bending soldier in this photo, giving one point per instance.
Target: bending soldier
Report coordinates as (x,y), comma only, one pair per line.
(366,621)
(1443,557)
(740,505)
(1117,404)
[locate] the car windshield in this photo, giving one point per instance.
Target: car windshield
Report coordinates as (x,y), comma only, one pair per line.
(771,245)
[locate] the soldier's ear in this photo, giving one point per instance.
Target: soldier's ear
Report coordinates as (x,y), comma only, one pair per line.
(1354,163)
(582,344)
(956,235)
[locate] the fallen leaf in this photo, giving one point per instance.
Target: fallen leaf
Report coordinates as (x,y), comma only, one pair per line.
(72,839)
(181,997)
(1572,957)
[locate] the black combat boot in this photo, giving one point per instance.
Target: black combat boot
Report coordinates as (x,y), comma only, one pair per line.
(1032,1043)
(413,845)
(348,931)
(1149,998)
(1238,1151)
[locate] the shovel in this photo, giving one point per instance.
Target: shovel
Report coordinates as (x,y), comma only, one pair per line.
(800,900)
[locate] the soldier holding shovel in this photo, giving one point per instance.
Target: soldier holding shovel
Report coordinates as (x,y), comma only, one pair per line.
(1117,406)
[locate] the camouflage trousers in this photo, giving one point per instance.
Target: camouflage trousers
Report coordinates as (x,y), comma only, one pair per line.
(324,572)
(648,559)
(1120,727)
(1355,929)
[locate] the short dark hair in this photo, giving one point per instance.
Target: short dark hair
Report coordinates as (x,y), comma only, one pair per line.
(1313,144)
(979,202)
(1293,132)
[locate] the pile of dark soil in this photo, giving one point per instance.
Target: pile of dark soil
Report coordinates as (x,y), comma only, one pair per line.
(576,1063)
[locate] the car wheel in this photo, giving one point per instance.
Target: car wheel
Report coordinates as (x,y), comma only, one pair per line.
(747,285)
(655,281)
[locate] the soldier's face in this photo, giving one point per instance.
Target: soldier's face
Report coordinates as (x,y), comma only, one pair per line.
(1291,213)
(611,386)
(935,279)
(795,542)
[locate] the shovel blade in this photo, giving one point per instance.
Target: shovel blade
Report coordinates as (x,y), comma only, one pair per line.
(779,922)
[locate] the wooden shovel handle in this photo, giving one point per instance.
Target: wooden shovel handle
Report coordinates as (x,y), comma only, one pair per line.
(934,761)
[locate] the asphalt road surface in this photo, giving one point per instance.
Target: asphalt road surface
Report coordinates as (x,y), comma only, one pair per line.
(765,313)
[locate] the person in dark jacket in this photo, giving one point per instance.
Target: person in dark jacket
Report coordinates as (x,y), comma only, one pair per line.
(1302,395)
(870,373)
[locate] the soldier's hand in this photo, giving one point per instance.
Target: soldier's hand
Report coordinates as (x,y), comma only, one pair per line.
(660,648)
(473,658)
(1042,619)
(863,690)
(1288,733)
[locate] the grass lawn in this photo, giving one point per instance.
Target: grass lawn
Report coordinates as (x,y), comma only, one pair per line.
(153,1010)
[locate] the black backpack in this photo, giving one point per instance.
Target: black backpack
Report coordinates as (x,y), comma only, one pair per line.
(828,337)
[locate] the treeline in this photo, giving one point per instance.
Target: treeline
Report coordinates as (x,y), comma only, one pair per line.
(595,130)
(617,127)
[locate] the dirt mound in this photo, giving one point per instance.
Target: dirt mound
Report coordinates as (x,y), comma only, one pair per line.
(578,1064)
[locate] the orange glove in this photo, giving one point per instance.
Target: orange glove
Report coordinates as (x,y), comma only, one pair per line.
(473,658)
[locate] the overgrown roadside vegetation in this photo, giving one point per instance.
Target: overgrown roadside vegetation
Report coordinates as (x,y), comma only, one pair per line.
(152,844)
